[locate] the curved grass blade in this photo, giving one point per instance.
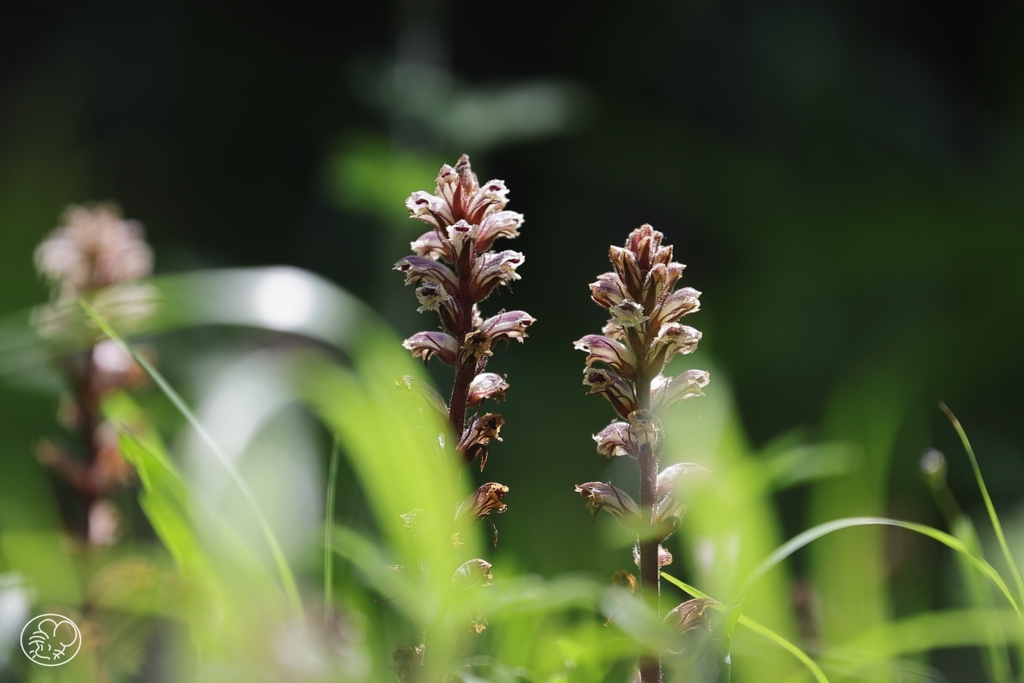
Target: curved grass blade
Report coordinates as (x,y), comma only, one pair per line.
(287,579)
(328,526)
(762,630)
(988,501)
(814,533)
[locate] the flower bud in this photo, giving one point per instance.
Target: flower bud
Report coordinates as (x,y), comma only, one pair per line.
(473,573)
(481,503)
(492,269)
(608,290)
(602,496)
(507,325)
(615,439)
(430,245)
(474,440)
(645,431)
(419,268)
(426,344)
(499,224)
(661,279)
(605,350)
(690,615)
(677,484)
(628,313)
(613,387)
(432,296)
(677,304)
(628,270)
(664,556)
(487,385)
(645,243)
(665,393)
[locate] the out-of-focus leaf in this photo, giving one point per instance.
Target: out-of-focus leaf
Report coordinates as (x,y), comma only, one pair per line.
(287,579)
(814,533)
(931,631)
(989,507)
(811,462)
(165,501)
(979,594)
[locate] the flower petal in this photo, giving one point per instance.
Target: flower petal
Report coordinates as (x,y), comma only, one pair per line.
(613,387)
(605,350)
(507,325)
(492,269)
(482,502)
(498,224)
(431,246)
(686,385)
(679,303)
(671,339)
(473,573)
(608,290)
(473,443)
(432,296)
(486,200)
(677,484)
(429,209)
(418,268)
(615,439)
(426,344)
(487,385)
(628,313)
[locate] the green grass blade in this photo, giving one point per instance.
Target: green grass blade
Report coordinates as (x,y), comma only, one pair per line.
(988,501)
(287,579)
(328,527)
(756,627)
(814,533)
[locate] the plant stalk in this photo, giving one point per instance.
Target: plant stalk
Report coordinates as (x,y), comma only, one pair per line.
(650,577)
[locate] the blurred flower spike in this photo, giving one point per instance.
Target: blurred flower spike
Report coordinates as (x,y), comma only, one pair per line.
(97,254)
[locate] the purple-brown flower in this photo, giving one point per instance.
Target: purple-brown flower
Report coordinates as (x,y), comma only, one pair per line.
(625,365)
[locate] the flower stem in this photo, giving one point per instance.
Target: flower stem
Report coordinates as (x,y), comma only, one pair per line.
(650,577)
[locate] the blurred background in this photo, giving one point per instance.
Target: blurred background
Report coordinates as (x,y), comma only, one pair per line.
(844,181)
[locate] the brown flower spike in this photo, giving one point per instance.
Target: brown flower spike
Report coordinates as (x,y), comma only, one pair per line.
(624,365)
(453,269)
(96,254)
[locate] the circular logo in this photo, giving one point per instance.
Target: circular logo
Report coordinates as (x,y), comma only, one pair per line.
(51,640)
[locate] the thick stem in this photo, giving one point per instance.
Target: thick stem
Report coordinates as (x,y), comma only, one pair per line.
(650,577)
(467,369)
(460,397)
